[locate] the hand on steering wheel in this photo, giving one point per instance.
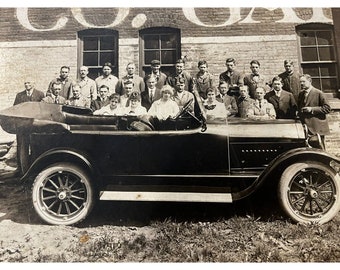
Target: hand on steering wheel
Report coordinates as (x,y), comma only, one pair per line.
(184,109)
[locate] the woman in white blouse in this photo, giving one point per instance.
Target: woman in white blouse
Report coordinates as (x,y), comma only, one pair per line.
(164,107)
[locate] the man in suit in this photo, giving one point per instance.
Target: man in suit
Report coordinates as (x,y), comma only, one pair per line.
(261,109)
(228,101)
(290,79)
(160,76)
(231,76)
(180,73)
(283,101)
(313,108)
(255,79)
(151,93)
(243,102)
(55,96)
(102,99)
(138,82)
(182,97)
(65,82)
(88,86)
(13,155)
(78,99)
(29,94)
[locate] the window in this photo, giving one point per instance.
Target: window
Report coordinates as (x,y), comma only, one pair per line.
(318,57)
(96,47)
(161,44)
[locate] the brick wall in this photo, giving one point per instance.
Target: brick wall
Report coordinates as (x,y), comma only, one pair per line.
(271,55)
(35,63)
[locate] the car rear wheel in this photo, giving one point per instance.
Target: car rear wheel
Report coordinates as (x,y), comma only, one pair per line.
(62,194)
(309,192)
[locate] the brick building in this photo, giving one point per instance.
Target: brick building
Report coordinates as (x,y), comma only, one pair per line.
(36,42)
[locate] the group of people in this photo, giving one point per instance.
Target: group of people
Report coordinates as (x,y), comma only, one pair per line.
(286,96)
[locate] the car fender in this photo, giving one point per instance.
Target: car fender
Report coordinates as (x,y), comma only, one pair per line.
(57,155)
(276,167)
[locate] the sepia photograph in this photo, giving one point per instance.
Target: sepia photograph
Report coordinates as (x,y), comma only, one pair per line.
(169,134)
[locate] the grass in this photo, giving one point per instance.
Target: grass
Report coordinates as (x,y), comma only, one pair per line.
(237,239)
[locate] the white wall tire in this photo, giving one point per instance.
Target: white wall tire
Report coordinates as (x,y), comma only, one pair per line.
(62,194)
(309,192)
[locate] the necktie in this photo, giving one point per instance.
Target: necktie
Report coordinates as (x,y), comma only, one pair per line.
(260,105)
(56,100)
(305,99)
(151,95)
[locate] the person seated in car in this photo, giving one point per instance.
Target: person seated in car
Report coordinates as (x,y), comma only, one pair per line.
(134,106)
(228,101)
(55,96)
(244,102)
(102,100)
(128,88)
(113,108)
(261,108)
(77,98)
(151,92)
(283,101)
(165,107)
(213,108)
(182,97)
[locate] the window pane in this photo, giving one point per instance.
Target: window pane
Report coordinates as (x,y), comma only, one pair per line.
(311,70)
(328,70)
(106,57)
(329,84)
(324,38)
(149,56)
(309,54)
(94,73)
(316,83)
(90,59)
(326,53)
(90,43)
(151,42)
(107,43)
(168,57)
(307,38)
(168,42)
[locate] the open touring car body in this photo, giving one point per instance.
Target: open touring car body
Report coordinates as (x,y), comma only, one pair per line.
(71,158)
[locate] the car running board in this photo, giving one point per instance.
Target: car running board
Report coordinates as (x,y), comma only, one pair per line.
(165,196)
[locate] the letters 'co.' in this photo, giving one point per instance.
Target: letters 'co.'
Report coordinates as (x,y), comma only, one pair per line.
(289,16)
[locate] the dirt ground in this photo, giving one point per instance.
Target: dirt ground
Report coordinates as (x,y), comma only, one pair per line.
(25,238)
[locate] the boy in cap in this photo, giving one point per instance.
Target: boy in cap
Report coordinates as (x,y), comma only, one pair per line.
(160,76)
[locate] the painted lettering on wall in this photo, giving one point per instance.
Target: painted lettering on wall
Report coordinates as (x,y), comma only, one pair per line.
(289,16)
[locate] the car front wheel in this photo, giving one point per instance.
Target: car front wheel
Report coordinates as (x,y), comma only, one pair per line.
(309,192)
(62,194)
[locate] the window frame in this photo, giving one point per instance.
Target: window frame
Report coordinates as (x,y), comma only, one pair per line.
(145,68)
(317,63)
(98,33)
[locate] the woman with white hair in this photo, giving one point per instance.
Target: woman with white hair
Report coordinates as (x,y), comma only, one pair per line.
(164,107)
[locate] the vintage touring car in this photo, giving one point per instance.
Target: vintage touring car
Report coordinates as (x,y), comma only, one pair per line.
(71,158)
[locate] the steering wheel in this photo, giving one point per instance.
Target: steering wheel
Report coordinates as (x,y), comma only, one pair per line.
(184,109)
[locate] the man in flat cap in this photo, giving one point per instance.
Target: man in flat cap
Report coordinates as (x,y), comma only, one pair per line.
(157,73)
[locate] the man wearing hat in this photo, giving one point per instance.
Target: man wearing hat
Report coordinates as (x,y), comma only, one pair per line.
(181,73)
(160,76)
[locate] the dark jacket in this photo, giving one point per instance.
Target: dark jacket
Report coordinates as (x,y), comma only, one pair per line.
(316,121)
(98,104)
(285,105)
(35,96)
